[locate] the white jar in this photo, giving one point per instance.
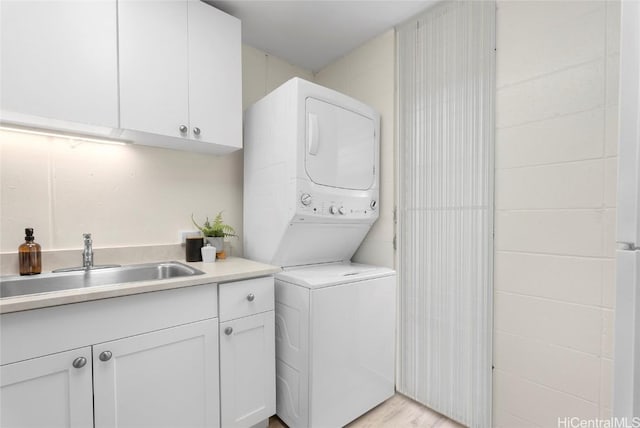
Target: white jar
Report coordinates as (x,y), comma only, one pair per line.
(208,254)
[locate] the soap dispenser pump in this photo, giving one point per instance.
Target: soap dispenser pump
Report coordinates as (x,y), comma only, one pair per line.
(29,255)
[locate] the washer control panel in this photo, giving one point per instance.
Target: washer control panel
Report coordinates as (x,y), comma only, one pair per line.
(354,206)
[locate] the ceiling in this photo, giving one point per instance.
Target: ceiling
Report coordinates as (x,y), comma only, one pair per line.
(313,33)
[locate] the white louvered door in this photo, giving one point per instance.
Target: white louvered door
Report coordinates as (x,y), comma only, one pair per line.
(446,90)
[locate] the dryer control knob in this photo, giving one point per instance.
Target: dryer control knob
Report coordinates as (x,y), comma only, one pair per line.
(305,199)
(374,204)
(333,209)
(342,211)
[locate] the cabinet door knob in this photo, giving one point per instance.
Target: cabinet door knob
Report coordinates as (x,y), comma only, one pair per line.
(79,362)
(183,129)
(105,355)
(228,331)
(196,131)
(250,297)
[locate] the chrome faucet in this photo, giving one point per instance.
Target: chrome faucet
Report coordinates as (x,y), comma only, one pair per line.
(87,253)
(87,258)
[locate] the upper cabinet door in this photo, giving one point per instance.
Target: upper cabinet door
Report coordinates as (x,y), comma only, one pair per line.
(180,75)
(340,146)
(50,391)
(58,60)
(215,76)
(154,78)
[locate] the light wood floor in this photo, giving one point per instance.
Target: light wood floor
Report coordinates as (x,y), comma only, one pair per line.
(397,412)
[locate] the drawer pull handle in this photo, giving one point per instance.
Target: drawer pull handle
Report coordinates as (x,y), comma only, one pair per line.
(105,356)
(251,297)
(228,331)
(79,362)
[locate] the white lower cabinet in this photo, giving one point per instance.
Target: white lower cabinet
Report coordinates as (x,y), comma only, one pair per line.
(48,391)
(247,370)
(145,360)
(247,352)
(161,359)
(167,378)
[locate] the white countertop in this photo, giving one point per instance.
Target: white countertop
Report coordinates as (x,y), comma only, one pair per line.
(230,269)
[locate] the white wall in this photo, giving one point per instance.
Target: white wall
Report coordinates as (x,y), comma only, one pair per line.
(125,195)
(262,73)
(557,68)
(368,74)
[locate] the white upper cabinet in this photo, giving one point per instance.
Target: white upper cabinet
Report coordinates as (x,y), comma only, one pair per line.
(58,64)
(180,75)
(154,78)
(215,76)
(162,73)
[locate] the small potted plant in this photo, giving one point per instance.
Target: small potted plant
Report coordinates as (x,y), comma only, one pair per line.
(214,233)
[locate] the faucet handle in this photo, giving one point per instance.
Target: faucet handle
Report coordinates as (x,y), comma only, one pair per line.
(86,236)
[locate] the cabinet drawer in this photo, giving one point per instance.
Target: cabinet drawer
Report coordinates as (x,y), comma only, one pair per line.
(242,298)
(66,326)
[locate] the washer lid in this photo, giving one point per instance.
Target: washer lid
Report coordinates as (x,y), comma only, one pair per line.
(325,275)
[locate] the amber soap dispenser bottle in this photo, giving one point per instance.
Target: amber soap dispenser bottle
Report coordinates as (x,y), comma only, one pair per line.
(29,255)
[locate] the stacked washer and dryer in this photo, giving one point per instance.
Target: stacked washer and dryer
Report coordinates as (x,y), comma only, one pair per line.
(311,190)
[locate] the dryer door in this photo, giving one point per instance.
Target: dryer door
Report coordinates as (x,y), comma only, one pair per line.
(340,146)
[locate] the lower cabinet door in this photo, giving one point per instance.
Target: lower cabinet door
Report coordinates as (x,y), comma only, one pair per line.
(51,391)
(166,378)
(247,370)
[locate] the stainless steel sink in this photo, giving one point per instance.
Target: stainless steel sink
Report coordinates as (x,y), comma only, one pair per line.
(22,285)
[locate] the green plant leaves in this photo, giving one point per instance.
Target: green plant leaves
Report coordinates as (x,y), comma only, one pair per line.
(218,229)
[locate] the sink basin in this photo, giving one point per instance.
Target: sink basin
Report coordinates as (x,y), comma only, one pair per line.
(23,285)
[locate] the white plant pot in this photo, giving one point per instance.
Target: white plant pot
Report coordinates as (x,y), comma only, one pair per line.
(217,242)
